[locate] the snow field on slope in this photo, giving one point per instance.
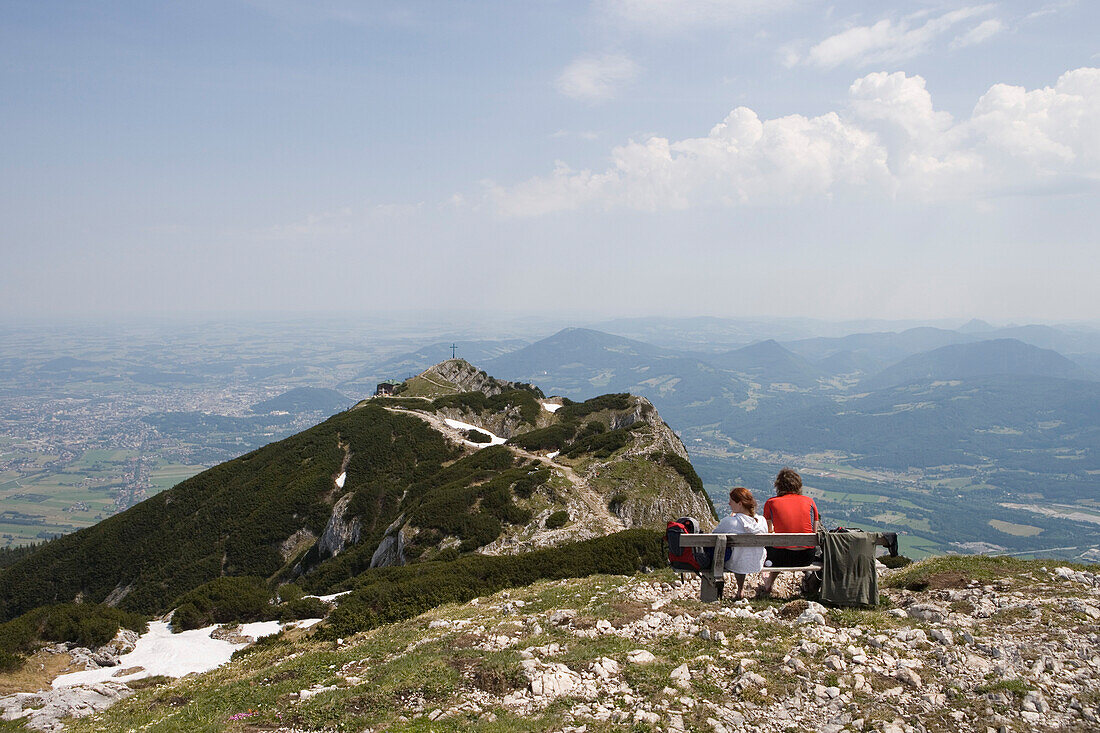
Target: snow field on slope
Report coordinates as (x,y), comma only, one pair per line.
(458,425)
(160,652)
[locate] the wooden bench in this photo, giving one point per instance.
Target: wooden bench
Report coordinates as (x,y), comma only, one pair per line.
(710,589)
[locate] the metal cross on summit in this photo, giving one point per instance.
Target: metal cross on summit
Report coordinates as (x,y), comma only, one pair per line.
(453,347)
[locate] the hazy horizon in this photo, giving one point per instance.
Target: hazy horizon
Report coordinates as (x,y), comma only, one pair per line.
(492,324)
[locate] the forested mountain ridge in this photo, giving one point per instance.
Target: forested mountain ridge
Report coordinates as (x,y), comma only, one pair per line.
(387,482)
(1005,356)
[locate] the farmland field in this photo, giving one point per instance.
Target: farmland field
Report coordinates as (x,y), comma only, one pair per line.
(931,516)
(45,500)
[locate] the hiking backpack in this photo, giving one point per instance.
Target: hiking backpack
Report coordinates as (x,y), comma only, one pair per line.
(685,559)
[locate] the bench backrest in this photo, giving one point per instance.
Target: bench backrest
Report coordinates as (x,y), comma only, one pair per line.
(771,539)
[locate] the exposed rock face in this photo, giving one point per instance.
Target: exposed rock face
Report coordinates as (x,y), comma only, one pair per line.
(46,710)
(504,423)
(290,547)
(467,377)
(657,511)
(340,531)
(391,550)
(123,643)
(115,597)
(637,508)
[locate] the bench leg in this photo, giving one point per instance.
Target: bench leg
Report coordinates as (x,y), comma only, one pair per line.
(811,585)
(710,590)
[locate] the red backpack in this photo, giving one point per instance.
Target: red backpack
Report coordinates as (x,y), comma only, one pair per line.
(685,559)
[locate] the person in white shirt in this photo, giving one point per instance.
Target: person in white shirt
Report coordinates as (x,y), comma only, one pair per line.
(743,520)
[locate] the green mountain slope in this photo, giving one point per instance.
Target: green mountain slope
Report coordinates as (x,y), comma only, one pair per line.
(389,482)
(231,519)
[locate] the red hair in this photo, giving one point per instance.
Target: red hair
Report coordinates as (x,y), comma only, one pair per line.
(745,498)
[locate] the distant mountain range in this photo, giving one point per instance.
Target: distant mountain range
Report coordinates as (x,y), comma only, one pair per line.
(580,362)
(898,415)
(770,363)
(885,347)
(305,399)
(997,357)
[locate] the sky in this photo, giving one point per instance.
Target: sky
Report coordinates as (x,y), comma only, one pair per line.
(614,158)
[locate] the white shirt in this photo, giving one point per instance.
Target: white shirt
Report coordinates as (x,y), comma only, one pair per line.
(743,559)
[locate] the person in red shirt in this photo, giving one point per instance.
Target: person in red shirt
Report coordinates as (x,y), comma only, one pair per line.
(788,511)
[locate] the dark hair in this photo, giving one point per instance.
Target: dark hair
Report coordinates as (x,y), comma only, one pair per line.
(745,498)
(787,481)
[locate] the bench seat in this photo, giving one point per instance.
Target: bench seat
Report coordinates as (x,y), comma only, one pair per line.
(712,578)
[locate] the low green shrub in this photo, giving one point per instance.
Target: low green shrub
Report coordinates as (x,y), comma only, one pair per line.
(10,662)
(526,485)
(682,466)
(385,595)
(557,519)
(188,616)
(478,402)
(601,445)
(592,427)
(554,437)
(290,592)
(302,608)
(477,436)
(574,411)
(85,624)
(222,600)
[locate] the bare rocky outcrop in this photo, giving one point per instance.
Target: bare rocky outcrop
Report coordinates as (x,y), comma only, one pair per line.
(505,423)
(658,510)
(48,709)
(467,377)
(926,664)
(391,550)
(295,543)
(340,532)
(115,596)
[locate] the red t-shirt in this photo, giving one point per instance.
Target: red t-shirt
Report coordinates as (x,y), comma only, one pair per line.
(791,513)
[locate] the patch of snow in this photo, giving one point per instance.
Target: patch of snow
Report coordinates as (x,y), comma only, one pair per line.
(330,598)
(341,479)
(551,406)
(458,425)
(160,652)
(304,623)
(553,455)
(260,629)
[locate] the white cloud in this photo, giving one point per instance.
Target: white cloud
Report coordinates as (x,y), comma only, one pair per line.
(593,78)
(888,141)
(979,33)
(1050,9)
(888,41)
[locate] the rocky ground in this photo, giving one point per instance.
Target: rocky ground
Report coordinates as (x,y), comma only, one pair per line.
(49,709)
(959,644)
